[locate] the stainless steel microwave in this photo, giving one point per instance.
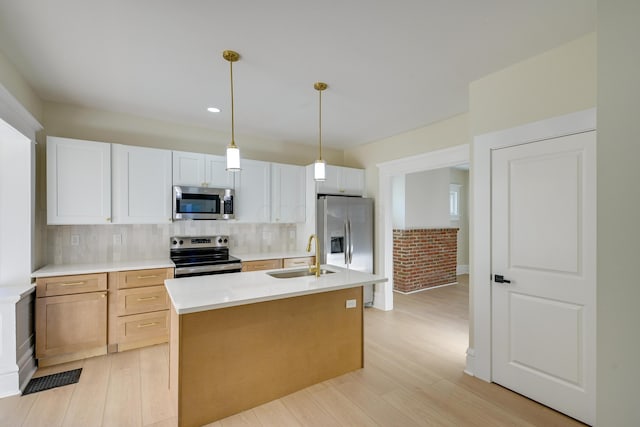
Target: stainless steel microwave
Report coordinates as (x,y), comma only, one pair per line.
(202,203)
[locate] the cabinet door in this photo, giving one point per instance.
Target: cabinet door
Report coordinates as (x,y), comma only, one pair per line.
(78,181)
(188,169)
(342,181)
(330,184)
(141,185)
(287,193)
(71,323)
(216,174)
(351,181)
(252,200)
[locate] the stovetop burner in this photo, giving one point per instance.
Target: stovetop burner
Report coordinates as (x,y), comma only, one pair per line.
(201,255)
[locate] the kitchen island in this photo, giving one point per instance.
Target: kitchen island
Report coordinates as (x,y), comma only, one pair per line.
(239,340)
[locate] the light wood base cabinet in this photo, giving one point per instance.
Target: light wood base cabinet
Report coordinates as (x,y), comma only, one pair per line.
(227,360)
(138,308)
(73,326)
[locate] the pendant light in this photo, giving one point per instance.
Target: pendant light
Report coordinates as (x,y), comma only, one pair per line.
(233,152)
(319,173)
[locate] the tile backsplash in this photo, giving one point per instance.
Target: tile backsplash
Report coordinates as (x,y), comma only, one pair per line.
(80,244)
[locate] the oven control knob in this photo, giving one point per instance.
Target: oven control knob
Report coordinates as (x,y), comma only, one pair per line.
(219,240)
(225,240)
(175,242)
(181,242)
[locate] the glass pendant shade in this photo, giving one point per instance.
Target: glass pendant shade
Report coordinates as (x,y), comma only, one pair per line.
(319,170)
(233,158)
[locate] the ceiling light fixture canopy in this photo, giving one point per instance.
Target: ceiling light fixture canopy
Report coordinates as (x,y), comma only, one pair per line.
(319,173)
(233,152)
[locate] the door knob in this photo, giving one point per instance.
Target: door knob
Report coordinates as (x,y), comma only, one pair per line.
(500,279)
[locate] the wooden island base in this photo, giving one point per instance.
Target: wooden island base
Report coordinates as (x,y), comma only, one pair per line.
(224,361)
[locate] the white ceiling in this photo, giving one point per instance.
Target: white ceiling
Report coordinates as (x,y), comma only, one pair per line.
(391,66)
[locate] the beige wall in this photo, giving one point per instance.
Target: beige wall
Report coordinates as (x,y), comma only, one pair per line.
(618,294)
(11,79)
(446,133)
(557,82)
(98,125)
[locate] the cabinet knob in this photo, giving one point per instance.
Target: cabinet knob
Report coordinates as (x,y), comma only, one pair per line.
(108,219)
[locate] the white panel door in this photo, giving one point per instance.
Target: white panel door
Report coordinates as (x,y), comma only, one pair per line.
(141,185)
(78,181)
(544,243)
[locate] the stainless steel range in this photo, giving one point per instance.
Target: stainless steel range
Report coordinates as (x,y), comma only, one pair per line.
(202,255)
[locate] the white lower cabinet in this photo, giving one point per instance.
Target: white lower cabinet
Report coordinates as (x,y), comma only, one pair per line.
(252,202)
(287,193)
(141,185)
(78,181)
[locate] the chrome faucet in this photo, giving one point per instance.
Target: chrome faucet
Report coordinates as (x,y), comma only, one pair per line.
(314,268)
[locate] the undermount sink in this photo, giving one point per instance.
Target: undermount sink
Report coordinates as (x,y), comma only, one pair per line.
(296,273)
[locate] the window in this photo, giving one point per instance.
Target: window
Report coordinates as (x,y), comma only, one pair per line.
(454,201)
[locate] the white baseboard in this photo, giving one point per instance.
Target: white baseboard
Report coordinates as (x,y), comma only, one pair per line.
(462,269)
(471,357)
(424,289)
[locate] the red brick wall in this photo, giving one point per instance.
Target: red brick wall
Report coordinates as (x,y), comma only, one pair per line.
(423,258)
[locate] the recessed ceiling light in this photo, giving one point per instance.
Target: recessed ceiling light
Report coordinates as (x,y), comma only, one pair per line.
(213,110)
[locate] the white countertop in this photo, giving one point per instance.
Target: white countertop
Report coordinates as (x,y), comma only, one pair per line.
(15,293)
(257,256)
(201,293)
(101,267)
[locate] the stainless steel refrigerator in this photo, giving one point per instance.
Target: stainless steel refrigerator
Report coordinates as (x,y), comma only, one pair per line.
(345,233)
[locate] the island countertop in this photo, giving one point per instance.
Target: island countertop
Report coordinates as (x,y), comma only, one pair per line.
(201,293)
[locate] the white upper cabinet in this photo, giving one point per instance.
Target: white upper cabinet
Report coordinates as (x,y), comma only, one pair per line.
(78,181)
(253,192)
(343,181)
(141,185)
(201,170)
(287,193)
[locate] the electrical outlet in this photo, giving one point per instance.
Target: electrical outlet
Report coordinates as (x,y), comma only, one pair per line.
(351,303)
(117,239)
(75,239)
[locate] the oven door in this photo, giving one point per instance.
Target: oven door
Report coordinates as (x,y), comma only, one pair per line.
(202,203)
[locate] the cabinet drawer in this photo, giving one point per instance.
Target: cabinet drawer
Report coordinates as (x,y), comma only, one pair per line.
(139,278)
(147,327)
(299,262)
(142,300)
(67,285)
(265,264)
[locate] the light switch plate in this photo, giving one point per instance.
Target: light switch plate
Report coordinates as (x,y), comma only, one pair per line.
(351,303)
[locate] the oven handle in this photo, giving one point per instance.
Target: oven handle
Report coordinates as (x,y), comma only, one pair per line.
(208,268)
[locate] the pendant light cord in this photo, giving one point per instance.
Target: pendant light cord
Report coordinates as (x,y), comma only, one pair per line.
(320,126)
(233,139)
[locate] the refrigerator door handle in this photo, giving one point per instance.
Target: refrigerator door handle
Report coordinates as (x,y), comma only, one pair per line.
(346,243)
(350,243)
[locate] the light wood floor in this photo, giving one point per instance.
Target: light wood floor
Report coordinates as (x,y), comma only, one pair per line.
(414,357)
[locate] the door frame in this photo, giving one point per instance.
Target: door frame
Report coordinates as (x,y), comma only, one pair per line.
(479,354)
(444,158)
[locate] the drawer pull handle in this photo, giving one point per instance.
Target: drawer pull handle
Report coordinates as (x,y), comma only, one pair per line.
(73,284)
(153,276)
(299,262)
(146,325)
(147,298)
